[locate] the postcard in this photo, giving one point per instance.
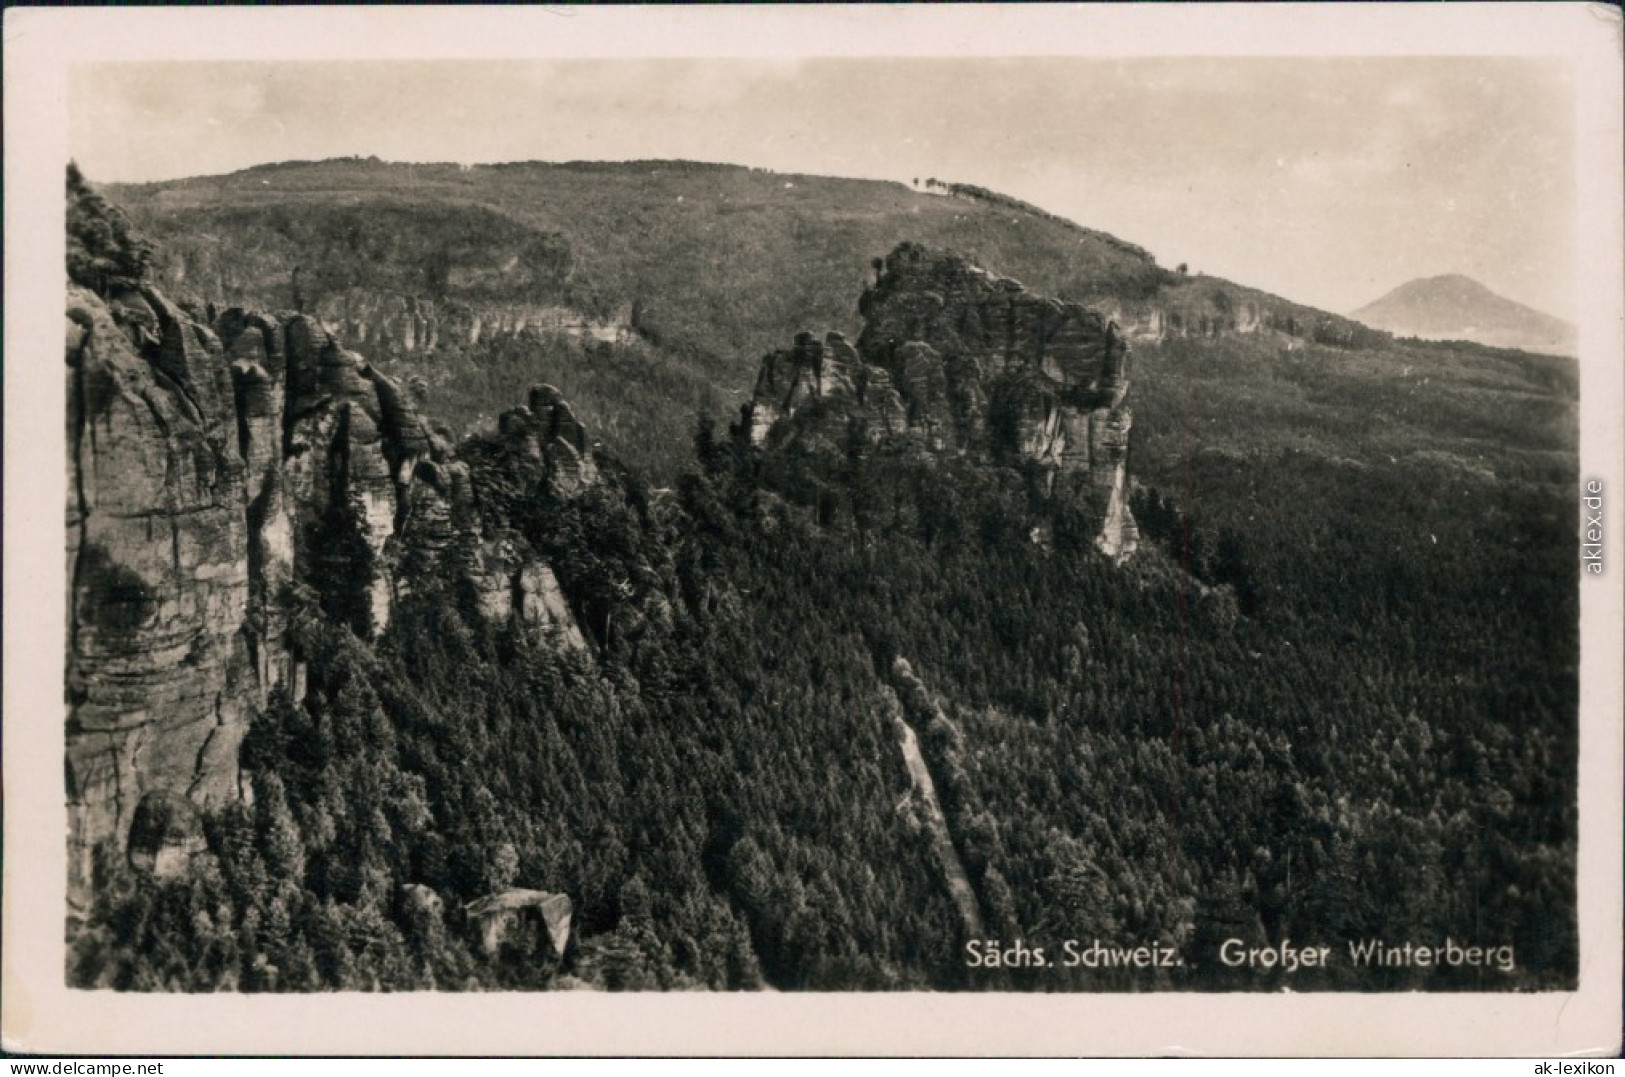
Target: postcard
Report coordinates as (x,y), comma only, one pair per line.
(820,530)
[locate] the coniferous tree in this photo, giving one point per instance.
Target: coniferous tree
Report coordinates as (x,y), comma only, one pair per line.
(104,254)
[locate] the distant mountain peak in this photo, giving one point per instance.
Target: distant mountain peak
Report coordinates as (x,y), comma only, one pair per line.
(1454,281)
(1454,306)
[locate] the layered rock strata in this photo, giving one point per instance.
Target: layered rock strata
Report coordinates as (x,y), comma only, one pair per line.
(1211,309)
(962,361)
(418,325)
(161,673)
(211,469)
(548,430)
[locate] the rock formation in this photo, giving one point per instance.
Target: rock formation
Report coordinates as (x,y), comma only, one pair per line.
(1185,315)
(211,468)
(165,835)
(161,672)
(548,430)
(1209,308)
(500,915)
(514,583)
(965,362)
(418,325)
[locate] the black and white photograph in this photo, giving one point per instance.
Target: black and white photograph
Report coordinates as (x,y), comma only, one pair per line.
(1039,524)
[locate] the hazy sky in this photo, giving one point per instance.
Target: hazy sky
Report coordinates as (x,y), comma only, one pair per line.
(1328,181)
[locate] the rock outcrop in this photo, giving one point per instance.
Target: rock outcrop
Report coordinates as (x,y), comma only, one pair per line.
(212,469)
(418,325)
(547,429)
(514,583)
(983,325)
(165,835)
(500,916)
(962,361)
(1205,307)
(161,673)
(1211,316)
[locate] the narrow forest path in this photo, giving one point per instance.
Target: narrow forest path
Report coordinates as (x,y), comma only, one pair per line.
(953,869)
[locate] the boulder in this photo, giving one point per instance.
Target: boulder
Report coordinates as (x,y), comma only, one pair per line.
(165,834)
(498,916)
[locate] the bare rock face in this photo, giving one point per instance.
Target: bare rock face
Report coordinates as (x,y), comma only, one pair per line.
(965,362)
(385,322)
(499,916)
(160,677)
(923,380)
(506,320)
(541,604)
(989,325)
(547,429)
(884,412)
(318,428)
(808,371)
(335,455)
(1202,307)
(426,545)
(513,583)
(165,835)
(211,468)
(837,362)
(394,322)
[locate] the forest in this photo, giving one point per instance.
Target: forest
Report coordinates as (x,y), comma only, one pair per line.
(1329,736)
(1332,698)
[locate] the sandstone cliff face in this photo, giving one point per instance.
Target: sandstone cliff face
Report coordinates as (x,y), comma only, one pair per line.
(390,323)
(405,324)
(809,370)
(161,676)
(984,325)
(512,319)
(513,582)
(1176,318)
(389,278)
(965,362)
(210,468)
(548,430)
(1205,307)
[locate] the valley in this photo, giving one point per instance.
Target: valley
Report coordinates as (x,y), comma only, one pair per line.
(602,530)
(646,291)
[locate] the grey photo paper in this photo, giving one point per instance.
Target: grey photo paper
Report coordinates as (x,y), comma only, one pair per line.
(766,504)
